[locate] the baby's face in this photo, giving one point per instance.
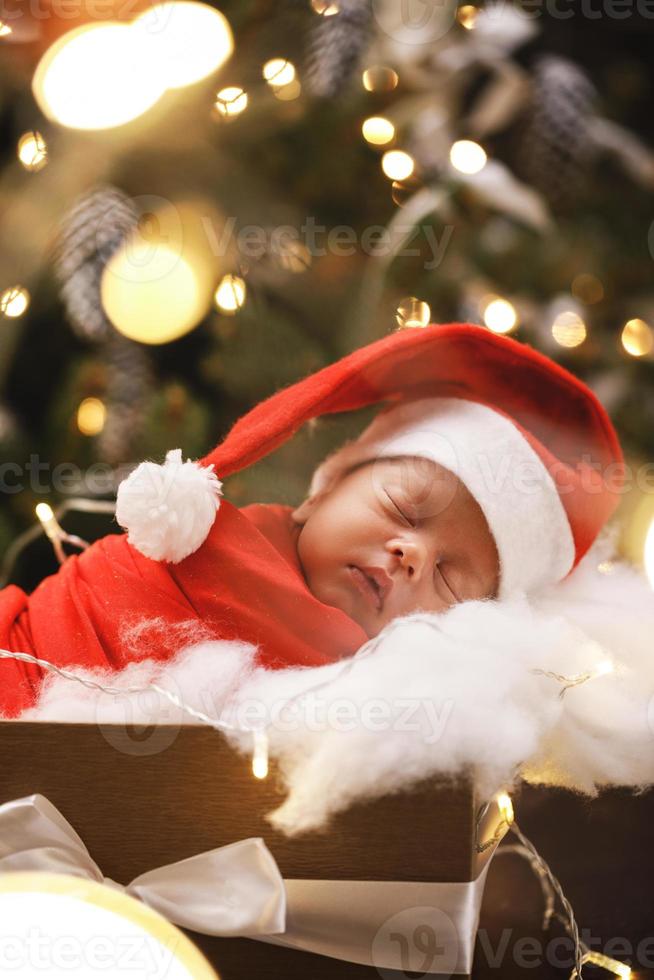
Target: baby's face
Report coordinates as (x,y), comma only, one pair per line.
(393,537)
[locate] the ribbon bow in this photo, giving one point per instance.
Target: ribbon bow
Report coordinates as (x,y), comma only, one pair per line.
(235,890)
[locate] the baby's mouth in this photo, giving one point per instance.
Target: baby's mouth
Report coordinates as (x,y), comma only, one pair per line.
(368,587)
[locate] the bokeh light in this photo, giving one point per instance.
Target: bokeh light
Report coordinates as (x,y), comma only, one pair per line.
(467,157)
(378,130)
(412,312)
(14,301)
(499,314)
(637,338)
(91,416)
(32,151)
(397,165)
(568,329)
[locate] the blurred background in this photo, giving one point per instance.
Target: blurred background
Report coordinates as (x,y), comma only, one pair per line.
(200,203)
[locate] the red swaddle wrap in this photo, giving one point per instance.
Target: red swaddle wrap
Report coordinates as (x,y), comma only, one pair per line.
(244,583)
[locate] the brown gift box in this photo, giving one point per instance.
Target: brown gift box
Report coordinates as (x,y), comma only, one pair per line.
(143,798)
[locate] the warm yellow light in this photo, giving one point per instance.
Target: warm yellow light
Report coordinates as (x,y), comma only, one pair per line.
(467,156)
(96,77)
(467,15)
(637,338)
(260,754)
(285,93)
(230,294)
(326,8)
(278,72)
(397,165)
(499,315)
(379,78)
(151,292)
(184,40)
(568,329)
(607,963)
(378,130)
(412,312)
(32,151)
(231,101)
(505,806)
(44,513)
(5,29)
(604,667)
(14,301)
(91,416)
(648,554)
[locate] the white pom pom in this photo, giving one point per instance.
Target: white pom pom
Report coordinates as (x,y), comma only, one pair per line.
(168,509)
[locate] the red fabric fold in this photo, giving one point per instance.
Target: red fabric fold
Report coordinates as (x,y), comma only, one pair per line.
(110,605)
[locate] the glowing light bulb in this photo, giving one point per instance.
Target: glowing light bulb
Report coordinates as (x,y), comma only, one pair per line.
(499,315)
(467,157)
(397,165)
(14,301)
(467,15)
(568,329)
(44,512)
(230,294)
(278,72)
(151,292)
(184,40)
(378,130)
(379,78)
(412,312)
(231,101)
(603,668)
(505,806)
(108,97)
(637,338)
(32,151)
(5,29)
(260,754)
(91,416)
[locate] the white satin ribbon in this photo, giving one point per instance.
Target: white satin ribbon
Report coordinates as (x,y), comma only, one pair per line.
(238,890)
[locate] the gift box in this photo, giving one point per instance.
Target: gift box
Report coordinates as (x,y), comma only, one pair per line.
(390,886)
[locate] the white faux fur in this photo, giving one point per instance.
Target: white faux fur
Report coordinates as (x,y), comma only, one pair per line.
(434,696)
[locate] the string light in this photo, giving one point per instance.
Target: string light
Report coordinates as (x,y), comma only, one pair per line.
(32,151)
(403,190)
(397,165)
(467,15)
(14,301)
(278,72)
(231,101)
(325,8)
(601,669)
(499,315)
(568,329)
(379,78)
(230,294)
(412,312)
(467,157)
(637,338)
(91,416)
(56,533)
(378,130)
(5,29)
(260,753)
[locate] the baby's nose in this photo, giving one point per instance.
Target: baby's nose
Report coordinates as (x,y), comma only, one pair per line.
(410,555)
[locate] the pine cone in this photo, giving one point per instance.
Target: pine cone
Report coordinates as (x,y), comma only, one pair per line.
(91,232)
(336,45)
(554,143)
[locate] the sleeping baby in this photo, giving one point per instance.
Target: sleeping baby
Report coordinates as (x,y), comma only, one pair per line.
(489,470)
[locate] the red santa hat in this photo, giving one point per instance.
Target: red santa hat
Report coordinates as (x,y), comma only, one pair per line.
(530,441)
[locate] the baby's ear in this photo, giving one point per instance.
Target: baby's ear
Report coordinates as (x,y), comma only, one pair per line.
(301,514)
